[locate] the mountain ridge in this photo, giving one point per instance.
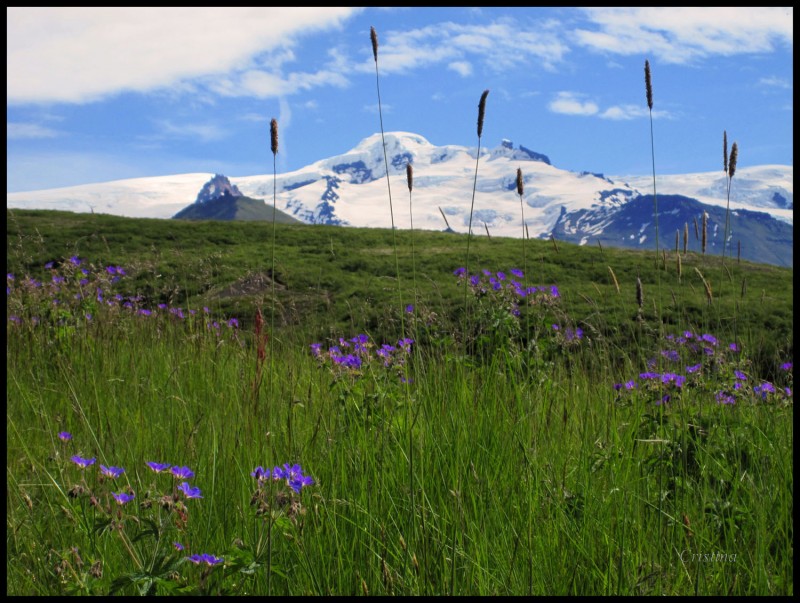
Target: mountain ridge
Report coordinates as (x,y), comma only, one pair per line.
(351,189)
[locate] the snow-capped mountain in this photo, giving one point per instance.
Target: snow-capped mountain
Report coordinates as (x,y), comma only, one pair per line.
(352,190)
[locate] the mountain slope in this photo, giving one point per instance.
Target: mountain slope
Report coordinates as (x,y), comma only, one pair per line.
(352,190)
(228,207)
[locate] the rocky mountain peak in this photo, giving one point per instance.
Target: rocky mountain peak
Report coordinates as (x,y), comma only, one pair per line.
(218,186)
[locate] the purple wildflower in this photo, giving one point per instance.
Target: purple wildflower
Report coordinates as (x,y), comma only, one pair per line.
(64,436)
(260,474)
(209,560)
(182,472)
(82,462)
(709,338)
(725,398)
(293,475)
(123,497)
(740,375)
(158,467)
(189,491)
(112,472)
(178,546)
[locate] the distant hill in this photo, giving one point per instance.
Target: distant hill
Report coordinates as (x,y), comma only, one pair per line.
(452,190)
(229,207)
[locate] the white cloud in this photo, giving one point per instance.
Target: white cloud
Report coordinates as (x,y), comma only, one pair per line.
(498,45)
(201,132)
(775,82)
(462,68)
(22,130)
(683,34)
(569,103)
(82,54)
(624,112)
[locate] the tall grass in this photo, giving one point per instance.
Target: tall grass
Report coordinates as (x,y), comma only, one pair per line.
(374,40)
(581,444)
(649,94)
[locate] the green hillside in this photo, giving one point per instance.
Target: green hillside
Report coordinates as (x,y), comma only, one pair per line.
(234,208)
(328,277)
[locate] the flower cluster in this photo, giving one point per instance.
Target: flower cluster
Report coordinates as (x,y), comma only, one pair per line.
(267,500)
(508,289)
(701,360)
(354,354)
(291,475)
(79,291)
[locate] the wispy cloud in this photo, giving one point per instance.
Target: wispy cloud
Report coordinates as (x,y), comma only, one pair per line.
(625,112)
(775,82)
(574,103)
(570,103)
(683,34)
(22,130)
(462,68)
(498,45)
(68,55)
(201,132)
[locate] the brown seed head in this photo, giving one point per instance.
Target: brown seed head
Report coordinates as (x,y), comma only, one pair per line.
(614,278)
(639,293)
(482,112)
(685,237)
(273,135)
(410,176)
(373,35)
(732,162)
(705,232)
(520,183)
(725,151)
(648,84)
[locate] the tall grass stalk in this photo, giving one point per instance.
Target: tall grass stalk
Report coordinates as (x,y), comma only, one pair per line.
(273,138)
(649,93)
(520,192)
(410,181)
(731,170)
(374,39)
(481,116)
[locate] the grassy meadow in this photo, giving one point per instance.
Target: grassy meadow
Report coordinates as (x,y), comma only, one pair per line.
(505,458)
(240,408)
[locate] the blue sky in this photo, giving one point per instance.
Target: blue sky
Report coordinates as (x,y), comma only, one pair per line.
(99,94)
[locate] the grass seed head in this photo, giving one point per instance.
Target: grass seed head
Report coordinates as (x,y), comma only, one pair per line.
(273,135)
(639,293)
(373,35)
(648,84)
(732,162)
(725,151)
(685,237)
(520,183)
(410,176)
(705,232)
(482,111)
(614,278)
